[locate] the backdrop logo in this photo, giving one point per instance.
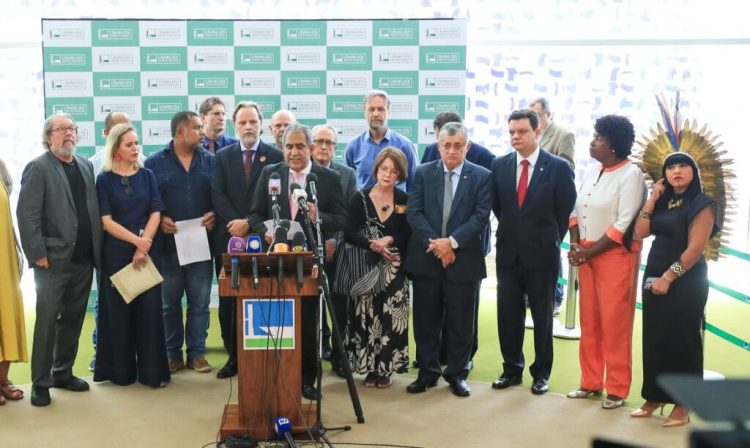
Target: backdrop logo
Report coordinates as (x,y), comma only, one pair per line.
(349,33)
(354,58)
(441,106)
(210,58)
(67,33)
(349,82)
(261,34)
(72,109)
(116,84)
(443,32)
(128,108)
(396,33)
(435,57)
(116,59)
(268,324)
(442,83)
(160,132)
(258,83)
(298,33)
(163,108)
(70,60)
(312,57)
(164,83)
(163,58)
(391,32)
(257,58)
(396,58)
(310,107)
(68,84)
(346,106)
(300,82)
(114,34)
(163,33)
(209,33)
(211,83)
(393,82)
(402,107)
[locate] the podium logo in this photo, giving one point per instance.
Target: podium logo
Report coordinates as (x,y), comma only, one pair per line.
(268,324)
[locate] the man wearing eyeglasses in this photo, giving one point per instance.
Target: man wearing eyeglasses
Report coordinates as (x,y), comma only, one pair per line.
(61,232)
(323,151)
(213,114)
(183,172)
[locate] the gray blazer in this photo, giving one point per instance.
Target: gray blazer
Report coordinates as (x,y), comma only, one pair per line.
(348,180)
(560,142)
(46,214)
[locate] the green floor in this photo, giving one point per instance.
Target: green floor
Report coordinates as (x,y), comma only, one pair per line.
(721,356)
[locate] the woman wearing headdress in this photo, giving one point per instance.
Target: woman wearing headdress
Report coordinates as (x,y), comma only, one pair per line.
(682,219)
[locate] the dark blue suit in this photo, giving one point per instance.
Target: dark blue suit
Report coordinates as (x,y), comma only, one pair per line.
(448,293)
(528,255)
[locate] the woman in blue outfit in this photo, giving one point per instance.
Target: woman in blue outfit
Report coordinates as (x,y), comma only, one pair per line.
(130,343)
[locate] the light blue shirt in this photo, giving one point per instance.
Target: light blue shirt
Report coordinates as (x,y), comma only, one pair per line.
(362,150)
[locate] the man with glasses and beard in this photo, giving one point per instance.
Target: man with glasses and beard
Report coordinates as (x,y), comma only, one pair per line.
(61,232)
(213,116)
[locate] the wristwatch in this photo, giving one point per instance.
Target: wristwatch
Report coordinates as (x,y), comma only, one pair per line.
(454,243)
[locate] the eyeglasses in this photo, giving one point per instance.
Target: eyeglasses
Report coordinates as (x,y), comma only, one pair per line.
(321,142)
(64,129)
(387,170)
(125,182)
(218,114)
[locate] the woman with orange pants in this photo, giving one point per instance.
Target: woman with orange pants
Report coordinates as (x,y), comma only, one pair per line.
(602,246)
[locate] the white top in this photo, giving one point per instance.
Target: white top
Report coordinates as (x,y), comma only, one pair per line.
(533,157)
(607,204)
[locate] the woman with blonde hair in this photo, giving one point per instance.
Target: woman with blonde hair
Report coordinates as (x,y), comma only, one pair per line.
(12,330)
(130,336)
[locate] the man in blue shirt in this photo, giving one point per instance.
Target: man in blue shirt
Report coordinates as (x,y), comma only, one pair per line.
(183,171)
(362,150)
(214,117)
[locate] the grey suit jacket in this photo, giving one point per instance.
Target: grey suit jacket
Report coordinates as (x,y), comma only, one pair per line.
(46,214)
(560,142)
(348,179)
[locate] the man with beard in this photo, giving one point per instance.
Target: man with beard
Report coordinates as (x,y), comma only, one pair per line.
(362,150)
(213,115)
(280,120)
(61,231)
(236,171)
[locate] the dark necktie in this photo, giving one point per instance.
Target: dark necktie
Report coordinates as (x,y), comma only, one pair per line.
(248,164)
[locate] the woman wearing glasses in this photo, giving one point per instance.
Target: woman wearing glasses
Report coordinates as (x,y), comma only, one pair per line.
(377,337)
(130,342)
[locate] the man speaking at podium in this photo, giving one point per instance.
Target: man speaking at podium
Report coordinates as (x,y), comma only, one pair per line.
(296,169)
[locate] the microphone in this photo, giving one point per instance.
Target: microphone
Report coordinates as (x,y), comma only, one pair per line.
(284,429)
(298,245)
(312,180)
(254,247)
(300,196)
(236,245)
(274,189)
(280,247)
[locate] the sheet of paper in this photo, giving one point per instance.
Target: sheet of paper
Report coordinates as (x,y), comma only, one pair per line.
(294,228)
(191,240)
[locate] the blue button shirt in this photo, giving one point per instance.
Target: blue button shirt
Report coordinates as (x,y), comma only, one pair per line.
(222,141)
(185,194)
(362,151)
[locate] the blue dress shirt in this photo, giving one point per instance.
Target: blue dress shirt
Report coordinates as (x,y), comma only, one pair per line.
(362,151)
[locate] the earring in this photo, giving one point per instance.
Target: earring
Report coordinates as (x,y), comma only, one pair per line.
(118,158)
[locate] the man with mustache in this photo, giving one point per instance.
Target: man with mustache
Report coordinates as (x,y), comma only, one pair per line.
(362,150)
(236,171)
(61,232)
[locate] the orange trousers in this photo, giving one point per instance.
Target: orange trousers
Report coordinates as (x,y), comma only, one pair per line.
(608,285)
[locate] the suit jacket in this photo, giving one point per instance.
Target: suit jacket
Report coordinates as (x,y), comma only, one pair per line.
(468,218)
(533,232)
(560,142)
(46,212)
(348,179)
(332,210)
(230,194)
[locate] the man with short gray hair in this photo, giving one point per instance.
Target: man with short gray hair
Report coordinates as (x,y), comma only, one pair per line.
(280,120)
(61,231)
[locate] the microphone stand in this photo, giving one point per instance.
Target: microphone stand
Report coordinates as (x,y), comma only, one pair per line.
(318,429)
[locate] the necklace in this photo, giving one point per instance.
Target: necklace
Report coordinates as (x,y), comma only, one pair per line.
(674,203)
(385,207)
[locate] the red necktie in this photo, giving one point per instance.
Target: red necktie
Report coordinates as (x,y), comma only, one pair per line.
(248,164)
(523,183)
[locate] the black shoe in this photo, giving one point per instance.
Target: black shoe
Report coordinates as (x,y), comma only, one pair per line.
(229,370)
(40,396)
(415,364)
(460,388)
(504,381)
(326,351)
(309,392)
(338,369)
(539,387)
(73,384)
(420,385)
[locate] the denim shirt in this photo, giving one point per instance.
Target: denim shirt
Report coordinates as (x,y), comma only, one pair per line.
(362,151)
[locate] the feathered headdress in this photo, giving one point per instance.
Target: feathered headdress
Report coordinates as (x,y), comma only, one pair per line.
(702,146)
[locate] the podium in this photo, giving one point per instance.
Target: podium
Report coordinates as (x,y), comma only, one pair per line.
(269,343)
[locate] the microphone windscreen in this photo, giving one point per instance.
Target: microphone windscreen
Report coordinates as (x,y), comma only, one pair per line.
(311,178)
(294,186)
(253,244)
(274,183)
(236,245)
(286,224)
(298,242)
(279,234)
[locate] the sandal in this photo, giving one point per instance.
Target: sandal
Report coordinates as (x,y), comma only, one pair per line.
(10,392)
(384,382)
(371,380)
(582,392)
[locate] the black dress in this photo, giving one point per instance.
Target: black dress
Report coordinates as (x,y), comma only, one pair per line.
(130,337)
(377,334)
(672,322)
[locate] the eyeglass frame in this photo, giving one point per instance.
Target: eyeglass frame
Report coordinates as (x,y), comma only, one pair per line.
(326,143)
(64,129)
(125,182)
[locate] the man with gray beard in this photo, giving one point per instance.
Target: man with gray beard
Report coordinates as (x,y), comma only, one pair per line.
(61,231)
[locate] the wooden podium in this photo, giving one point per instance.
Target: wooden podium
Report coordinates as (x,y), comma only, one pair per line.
(269,374)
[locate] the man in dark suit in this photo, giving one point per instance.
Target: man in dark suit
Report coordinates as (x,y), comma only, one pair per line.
(296,168)
(323,151)
(61,232)
(533,195)
(448,209)
(478,155)
(235,177)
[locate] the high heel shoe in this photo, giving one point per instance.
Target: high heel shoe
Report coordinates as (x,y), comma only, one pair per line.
(648,409)
(673,422)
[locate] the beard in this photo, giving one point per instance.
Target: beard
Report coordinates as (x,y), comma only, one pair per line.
(249,140)
(66,150)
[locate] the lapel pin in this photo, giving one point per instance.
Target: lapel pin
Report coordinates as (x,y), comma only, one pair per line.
(262,158)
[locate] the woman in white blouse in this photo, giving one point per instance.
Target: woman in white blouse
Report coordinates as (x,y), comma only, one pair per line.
(602,246)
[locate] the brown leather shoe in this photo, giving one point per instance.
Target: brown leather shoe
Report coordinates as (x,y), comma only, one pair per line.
(199,364)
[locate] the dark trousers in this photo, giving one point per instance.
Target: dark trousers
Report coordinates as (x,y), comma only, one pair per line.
(62,292)
(475,343)
(437,300)
(227,319)
(539,285)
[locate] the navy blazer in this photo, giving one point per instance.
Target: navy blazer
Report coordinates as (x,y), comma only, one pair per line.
(468,218)
(532,233)
(330,200)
